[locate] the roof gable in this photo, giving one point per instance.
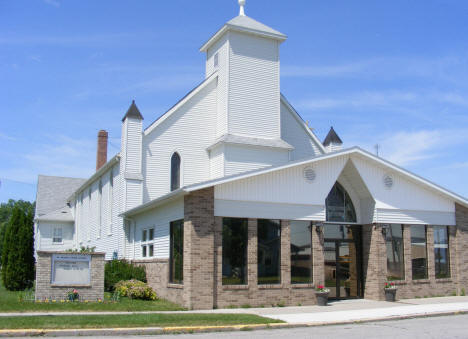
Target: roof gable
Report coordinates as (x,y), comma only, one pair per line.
(52,192)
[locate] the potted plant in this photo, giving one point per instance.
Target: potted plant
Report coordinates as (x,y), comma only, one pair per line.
(390,291)
(321,293)
(73,295)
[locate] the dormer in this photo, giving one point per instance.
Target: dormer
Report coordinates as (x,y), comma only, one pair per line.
(245,54)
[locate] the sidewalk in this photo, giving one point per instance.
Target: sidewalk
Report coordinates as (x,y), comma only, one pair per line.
(338,312)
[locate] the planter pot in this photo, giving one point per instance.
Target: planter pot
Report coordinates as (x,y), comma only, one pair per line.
(390,294)
(322,298)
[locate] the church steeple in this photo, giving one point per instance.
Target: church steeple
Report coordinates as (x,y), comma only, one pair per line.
(245,55)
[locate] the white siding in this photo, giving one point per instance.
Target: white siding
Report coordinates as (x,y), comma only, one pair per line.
(254,91)
(396,216)
(159,219)
(46,234)
(189,131)
(217,162)
(286,186)
(106,232)
(405,194)
(133,146)
(243,158)
(222,48)
(253,209)
(292,131)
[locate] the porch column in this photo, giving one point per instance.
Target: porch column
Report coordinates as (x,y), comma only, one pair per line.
(252,259)
(199,249)
(374,261)
(285,253)
(318,257)
(461,216)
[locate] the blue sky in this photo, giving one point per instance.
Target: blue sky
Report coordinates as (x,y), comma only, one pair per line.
(388,72)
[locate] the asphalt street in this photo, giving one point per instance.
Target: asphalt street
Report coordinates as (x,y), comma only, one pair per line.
(454,326)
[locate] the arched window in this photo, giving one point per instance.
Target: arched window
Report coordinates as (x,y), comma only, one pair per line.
(339,205)
(175,171)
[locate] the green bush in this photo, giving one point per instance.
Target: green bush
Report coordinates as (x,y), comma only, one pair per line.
(118,270)
(135,289)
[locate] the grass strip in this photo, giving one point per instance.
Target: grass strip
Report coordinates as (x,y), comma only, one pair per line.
(136,320)
(10,302)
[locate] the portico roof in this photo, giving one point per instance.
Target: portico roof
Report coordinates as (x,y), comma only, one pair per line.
(350,151)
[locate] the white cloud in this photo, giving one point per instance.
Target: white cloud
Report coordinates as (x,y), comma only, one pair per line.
(54,3)
(407,148)
(7,137)
(57,155)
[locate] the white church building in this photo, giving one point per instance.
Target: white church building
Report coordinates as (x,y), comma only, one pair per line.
(229,198)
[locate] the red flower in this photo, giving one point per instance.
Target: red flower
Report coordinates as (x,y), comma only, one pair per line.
(320,287)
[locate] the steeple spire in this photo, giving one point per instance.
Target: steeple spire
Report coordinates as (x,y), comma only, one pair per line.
(241,4)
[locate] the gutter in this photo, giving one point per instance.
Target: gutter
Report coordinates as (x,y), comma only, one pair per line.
(153,203)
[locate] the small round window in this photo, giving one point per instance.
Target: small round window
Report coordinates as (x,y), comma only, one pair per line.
(309,174)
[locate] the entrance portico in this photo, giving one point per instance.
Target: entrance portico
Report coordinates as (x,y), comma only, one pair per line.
(322,221)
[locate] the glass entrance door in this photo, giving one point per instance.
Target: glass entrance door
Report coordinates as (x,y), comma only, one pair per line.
(343,271)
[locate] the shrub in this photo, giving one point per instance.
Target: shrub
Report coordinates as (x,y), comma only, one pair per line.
(118,270)
(135,289)
(18,251)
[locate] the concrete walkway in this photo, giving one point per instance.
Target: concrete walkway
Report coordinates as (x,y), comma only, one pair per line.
(335,312)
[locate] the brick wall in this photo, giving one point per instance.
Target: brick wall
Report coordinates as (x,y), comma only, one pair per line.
(44,289)
(157,275)
(461,257)
(199,282)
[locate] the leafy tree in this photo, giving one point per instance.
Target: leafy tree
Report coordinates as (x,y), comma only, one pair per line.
(6,210)
(18,251)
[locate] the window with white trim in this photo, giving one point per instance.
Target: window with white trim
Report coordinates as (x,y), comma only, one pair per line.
(57,238)
(147,243)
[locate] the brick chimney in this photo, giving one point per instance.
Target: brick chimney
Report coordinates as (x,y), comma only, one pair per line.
(101,156)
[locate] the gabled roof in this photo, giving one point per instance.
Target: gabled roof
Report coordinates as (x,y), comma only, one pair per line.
(62,214)
(245,24)
(133,112)
(332,138)
(52,193)
(354,150)
(301,121)
(180,103)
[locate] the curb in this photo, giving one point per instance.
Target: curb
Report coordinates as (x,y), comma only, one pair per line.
(201,329)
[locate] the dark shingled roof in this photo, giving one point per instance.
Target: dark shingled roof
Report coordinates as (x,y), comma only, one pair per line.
(332,137)
(133,112)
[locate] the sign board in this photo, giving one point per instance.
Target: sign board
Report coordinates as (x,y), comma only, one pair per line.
(71,269)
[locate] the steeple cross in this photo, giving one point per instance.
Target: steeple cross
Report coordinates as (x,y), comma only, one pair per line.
(241,4)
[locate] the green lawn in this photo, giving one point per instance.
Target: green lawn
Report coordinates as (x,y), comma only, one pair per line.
(9,302)
(136,320)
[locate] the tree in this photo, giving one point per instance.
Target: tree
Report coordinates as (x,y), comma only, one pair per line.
(18,251)
(6,210)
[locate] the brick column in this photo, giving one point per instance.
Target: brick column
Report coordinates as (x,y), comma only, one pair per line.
(199,251)
(374,261)
(318,257)
(285,253)
(252,259)
(430,253)
(407,253)
(218,261)
(461,262)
